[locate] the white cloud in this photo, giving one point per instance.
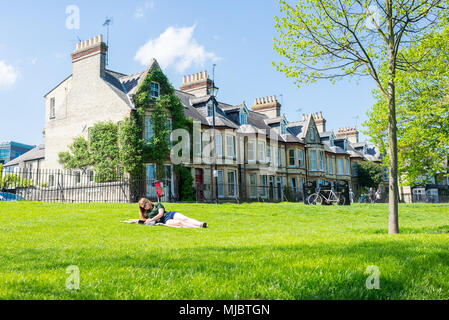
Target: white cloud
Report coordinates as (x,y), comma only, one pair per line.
(142,10)
(8,75)
(175,47)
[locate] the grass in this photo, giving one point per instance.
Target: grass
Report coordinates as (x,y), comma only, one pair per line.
(250,251)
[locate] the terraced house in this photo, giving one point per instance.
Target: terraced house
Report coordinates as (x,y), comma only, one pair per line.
(259,153)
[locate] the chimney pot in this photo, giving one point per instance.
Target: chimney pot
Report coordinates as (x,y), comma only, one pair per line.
(100,38)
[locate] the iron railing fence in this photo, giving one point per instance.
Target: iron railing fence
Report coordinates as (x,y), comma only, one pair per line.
(78,186)
(228,192)
(85,186)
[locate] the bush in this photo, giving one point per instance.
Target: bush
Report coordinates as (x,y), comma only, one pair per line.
(12,180)
(186,189)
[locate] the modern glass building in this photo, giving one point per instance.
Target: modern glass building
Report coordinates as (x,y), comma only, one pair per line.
(11,150)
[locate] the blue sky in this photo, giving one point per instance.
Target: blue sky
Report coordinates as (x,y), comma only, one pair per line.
(189,35)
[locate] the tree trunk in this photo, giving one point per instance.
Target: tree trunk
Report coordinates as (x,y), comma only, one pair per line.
(393,217)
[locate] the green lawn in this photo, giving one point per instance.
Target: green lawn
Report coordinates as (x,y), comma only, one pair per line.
(250,251)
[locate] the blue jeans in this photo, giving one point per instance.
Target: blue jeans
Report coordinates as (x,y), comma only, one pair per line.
(168,216)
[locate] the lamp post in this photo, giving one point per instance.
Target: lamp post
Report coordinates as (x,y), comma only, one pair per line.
(213,91)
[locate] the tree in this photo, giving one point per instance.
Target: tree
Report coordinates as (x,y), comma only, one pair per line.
(332,39)
(78,156)
(422,111)
(101,151)
(370,174)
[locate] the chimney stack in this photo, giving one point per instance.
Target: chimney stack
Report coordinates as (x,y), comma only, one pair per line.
(351,133)
(268,106)
(320,122)
(197,84)
(89,58)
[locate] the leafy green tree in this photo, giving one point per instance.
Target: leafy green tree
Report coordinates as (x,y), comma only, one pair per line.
(78,157)
(104,150)
(370,174)
(330,39)
(101,151)
(422,111)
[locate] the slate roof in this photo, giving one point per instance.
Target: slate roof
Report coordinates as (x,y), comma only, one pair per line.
(125,86)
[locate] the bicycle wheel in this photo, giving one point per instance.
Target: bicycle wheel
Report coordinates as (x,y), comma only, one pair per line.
(314,199)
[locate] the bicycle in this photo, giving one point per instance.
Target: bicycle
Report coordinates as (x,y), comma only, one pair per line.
(330,198)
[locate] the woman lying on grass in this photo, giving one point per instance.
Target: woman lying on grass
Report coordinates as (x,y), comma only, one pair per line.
(151,214)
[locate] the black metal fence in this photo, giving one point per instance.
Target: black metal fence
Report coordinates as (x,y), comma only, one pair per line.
(247,193)
(81,186)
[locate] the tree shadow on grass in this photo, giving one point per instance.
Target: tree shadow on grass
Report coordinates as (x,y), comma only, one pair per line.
(442,229)
(315,271)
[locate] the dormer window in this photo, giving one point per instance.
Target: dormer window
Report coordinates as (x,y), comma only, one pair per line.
(312,135)
(346,145)
(210,109)
(243,118)
(365,149)
(283,128)
(331,141)
(155,90)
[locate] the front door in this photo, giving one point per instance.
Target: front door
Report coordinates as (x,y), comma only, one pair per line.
(271,187)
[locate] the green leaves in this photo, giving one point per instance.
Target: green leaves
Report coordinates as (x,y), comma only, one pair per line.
(370,174)
(422,109)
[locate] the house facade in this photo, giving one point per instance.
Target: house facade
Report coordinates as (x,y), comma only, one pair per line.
(259,153)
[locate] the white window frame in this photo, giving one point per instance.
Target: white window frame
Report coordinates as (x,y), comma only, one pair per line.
(221,184)
(149,130)
(264,186)
(313,160)
(252,187)
(230,142)
(322,161)
(261,151)
(253,150)
(52,108)
(232,186)
(289,158)
(340,168)
(301,158)
(355,169)
(158,90)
